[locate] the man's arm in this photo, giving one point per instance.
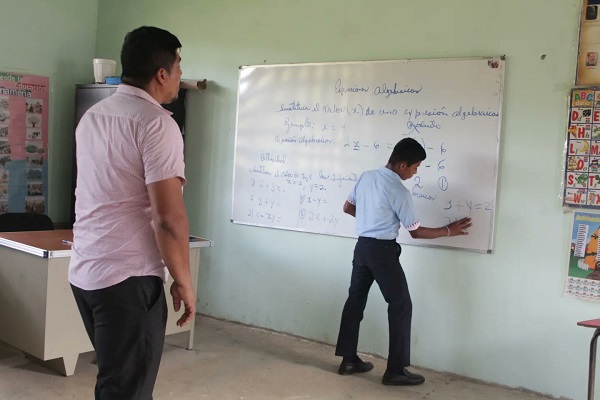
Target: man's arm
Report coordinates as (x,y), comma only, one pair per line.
(171,230)
(350,208)
(459,227)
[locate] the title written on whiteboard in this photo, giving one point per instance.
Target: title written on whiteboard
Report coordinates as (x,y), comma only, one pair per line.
(418,119)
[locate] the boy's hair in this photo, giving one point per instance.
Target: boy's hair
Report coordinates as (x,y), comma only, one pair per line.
(407,150)
(146,50)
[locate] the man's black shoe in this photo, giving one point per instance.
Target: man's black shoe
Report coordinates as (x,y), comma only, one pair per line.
(406,378)
(349,368)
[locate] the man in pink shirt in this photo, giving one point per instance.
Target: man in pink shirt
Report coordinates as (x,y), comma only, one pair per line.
(131,220)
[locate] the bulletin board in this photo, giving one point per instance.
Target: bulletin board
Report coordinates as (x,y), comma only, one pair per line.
(23,142)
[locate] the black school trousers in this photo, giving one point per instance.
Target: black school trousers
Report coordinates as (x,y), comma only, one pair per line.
(126,325)
(378,260)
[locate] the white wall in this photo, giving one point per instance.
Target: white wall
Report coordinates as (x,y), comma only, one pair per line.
(56,39)
(500,317)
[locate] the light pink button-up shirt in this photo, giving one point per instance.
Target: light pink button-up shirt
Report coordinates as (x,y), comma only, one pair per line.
(124,143)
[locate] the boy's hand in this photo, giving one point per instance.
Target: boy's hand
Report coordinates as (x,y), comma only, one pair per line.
(460,227)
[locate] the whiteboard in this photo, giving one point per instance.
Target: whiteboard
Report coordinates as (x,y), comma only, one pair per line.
(306,132)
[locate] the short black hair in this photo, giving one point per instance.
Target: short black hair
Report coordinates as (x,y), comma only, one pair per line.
(146,50)
(407,150)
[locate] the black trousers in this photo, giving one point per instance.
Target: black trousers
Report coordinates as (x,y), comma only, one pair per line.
(378,260)
(126,325)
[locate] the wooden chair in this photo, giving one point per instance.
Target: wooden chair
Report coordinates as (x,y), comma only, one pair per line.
(592,323)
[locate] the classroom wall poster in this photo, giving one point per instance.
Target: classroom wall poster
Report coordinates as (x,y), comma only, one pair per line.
(581,187)
(583,280)
(588,59)
(23,142)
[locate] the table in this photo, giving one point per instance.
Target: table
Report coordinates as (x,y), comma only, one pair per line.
(38,314)
(592,323)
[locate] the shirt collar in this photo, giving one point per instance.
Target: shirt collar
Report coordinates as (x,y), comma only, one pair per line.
(134,91)
(389,172)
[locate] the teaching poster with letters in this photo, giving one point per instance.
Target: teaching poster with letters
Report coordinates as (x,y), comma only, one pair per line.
(581,186)
(306,132)
(23,142)
(583,280)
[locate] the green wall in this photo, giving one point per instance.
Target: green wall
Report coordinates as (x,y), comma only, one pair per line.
(55,39)
(500,317)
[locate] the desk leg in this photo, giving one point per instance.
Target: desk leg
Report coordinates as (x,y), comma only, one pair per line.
(194,269)
(69,363)
(592,375)
(191,338)
(64,365)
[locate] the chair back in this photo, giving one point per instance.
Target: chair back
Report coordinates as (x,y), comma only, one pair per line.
(18,222)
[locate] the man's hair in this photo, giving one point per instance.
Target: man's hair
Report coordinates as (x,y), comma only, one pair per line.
(407,150)
(146,50)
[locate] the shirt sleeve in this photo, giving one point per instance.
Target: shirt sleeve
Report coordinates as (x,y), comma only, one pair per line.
(405,210)
(352,196)
(162,151)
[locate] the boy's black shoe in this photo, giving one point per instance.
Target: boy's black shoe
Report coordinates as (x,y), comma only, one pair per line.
(359,366)
(406,378)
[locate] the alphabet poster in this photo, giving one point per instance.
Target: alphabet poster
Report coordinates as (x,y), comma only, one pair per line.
(583,280)
(23,143)
(582,165)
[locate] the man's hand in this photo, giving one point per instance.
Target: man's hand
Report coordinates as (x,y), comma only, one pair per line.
(185,294)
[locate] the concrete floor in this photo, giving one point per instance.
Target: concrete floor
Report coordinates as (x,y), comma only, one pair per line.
(232,361)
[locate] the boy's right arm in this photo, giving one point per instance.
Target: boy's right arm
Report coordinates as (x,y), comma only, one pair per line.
(457,228)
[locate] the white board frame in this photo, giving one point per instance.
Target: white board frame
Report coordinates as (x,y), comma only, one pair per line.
(409,241)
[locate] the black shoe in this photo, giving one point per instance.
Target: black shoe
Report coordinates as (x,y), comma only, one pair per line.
(349,368)
(406,378)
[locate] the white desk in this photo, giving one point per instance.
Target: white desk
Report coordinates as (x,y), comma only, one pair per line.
(38,314)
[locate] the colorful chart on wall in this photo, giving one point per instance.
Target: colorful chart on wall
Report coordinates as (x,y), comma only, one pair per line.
(582,164)
(23,143)
(583,280)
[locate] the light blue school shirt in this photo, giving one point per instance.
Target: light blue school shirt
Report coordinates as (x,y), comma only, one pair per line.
(382,204)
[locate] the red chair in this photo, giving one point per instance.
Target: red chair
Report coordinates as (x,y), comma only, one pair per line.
(592,323)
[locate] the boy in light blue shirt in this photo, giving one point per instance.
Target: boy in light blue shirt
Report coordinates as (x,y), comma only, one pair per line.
(381,203)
